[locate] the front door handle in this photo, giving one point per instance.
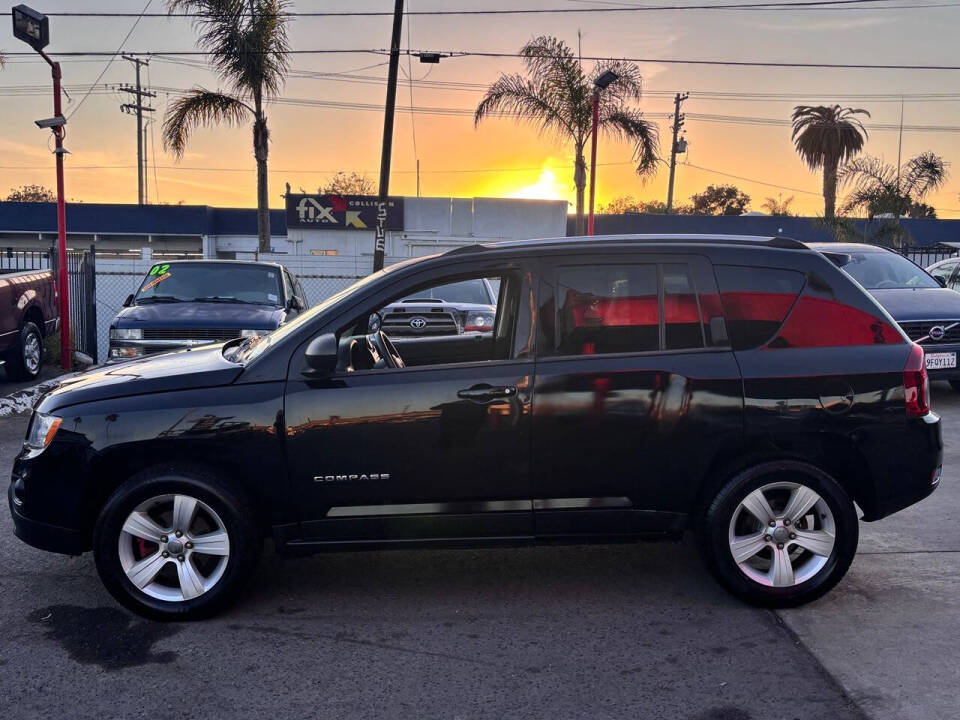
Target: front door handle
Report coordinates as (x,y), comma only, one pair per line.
(487,393)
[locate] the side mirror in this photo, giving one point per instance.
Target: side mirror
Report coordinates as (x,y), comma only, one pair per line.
(939,279)
(321,355)
(129,301)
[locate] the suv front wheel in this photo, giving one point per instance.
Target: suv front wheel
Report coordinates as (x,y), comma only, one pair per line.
(175,543)
(779,534)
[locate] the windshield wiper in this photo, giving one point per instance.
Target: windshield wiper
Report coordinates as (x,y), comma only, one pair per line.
(157,298)
(224,299)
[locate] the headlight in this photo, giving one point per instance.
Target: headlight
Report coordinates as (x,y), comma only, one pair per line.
(482,321)
(126,333)
(253,333)
(42,429)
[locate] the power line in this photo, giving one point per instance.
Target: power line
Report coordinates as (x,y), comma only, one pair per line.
(491,54)
(112,58)
(738,6)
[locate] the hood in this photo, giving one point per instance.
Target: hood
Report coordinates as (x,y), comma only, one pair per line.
(906,304)
(181,370)
(200,314)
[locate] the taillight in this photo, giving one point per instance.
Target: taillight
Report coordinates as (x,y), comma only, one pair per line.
(916,385)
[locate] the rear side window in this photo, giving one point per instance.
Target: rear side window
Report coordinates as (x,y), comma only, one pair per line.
(756,301)
(681,311)
(607,309)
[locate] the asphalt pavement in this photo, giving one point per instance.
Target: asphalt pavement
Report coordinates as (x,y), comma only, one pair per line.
(605,631)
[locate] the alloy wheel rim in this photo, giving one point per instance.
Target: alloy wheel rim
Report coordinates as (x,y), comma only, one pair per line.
(174,547)
(31,352)
(782,534)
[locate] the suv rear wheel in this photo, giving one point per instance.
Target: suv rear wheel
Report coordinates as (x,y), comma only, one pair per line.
(175,543)
(779,534)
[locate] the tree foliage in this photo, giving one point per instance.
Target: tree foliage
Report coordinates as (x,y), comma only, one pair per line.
(555,94)
(778,207)
(247,44)
(825,136)
(31,193)
(720,200)
(880,188)
(352,183)
(627,204)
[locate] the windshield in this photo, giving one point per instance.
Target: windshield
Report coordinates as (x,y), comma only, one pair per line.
(211,282)
(884,270)
(252,348)
(465,291)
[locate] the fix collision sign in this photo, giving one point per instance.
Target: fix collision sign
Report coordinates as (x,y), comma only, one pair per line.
(341,212)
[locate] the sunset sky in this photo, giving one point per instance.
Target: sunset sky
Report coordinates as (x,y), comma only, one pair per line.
(500,158)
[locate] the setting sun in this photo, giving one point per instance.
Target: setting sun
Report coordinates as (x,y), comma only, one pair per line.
(545,188)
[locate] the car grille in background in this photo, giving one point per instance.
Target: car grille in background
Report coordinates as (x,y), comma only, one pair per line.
(438,322)
(191,333)
(921,329)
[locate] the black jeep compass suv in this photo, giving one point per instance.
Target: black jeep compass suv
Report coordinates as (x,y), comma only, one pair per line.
(746,389)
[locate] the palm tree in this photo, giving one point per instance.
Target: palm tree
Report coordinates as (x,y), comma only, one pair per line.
(825,136)
(556,95)
(777,206)
(247,42)
(880,187)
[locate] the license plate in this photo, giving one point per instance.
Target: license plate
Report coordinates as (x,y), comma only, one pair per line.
(939,361)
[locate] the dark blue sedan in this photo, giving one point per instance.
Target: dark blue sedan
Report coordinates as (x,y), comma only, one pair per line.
(928,312)
(186,303)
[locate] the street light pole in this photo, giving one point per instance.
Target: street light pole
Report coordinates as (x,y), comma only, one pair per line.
(593,157)
(33,28)
(600,84)
(62,286)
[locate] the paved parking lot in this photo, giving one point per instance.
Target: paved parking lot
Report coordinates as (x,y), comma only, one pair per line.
(634,631)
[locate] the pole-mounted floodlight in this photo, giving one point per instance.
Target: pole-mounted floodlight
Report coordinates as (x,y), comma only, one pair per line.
(31,27)
(604,81)
(34,29)
(600,84)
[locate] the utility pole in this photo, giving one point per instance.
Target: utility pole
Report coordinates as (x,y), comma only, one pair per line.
(138,108)
(678,118)
(384,191)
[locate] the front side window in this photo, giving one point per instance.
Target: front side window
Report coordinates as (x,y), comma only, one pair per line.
(605,309)
(211,282)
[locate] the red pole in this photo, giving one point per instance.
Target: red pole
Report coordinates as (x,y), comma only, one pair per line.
(62,287)
(593,158)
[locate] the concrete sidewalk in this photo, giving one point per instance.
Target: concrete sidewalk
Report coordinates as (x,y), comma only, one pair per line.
(890,632)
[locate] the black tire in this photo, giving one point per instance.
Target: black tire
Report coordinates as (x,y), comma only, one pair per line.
(19,366)
(955,384)
(234,511)
(713,525)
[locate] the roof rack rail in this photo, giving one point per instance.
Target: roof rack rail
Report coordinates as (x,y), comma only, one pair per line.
(788,243)
(476,247)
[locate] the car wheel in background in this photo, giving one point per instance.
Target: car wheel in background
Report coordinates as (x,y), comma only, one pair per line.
(779,535)
(176,543)
(25,360)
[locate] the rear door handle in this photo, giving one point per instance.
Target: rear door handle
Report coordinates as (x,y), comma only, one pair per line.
(486,393)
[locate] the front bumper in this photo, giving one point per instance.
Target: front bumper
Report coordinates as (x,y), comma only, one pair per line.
(44,536)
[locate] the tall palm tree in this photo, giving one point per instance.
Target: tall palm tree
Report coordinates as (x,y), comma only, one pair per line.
(880,187)
(556,96)
(825,136)
(247,43)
